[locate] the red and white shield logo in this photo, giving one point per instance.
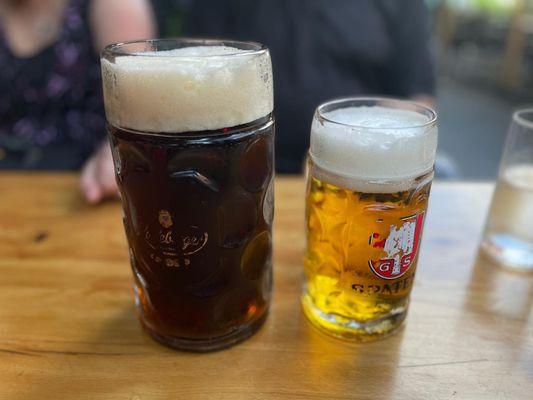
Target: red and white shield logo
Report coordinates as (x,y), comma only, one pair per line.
(399,247)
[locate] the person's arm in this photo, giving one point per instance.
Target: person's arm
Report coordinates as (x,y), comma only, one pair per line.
(112,21)
(413,70)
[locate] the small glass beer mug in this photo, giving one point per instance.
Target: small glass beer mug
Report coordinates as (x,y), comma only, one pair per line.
(369,176)
(508,237)
(192,133)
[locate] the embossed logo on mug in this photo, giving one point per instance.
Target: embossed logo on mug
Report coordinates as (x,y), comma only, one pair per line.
(173,245)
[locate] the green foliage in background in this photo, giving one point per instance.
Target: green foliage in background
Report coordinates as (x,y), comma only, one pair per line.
(492,7)
(496,6)
(174,24)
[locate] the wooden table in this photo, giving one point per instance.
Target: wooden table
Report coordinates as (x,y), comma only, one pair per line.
(68,327)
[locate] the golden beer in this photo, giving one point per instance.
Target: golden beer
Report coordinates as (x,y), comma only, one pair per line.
(349,273)
(363,241)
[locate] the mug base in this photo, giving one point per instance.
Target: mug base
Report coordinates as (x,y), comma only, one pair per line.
(206,345)
(350,329)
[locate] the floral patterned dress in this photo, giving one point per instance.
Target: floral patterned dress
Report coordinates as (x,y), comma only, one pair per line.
(51,107)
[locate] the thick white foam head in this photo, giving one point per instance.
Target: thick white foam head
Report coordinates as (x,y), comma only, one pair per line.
(189,89)
(373,143)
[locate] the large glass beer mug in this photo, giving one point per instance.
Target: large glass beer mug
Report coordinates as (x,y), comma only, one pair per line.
(369,176)
(192,132)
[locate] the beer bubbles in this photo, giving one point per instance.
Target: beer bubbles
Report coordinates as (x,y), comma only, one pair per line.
(190,89)
(372,143)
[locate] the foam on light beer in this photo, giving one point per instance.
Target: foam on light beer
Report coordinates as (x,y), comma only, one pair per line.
(190,89)
(361,147)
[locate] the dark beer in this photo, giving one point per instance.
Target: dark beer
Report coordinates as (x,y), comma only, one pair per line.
(196,187)
(198,215)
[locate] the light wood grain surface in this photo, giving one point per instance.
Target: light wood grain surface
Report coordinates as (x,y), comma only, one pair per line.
(68,329)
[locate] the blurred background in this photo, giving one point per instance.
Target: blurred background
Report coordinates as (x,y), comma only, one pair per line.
(484,65)
(51,110)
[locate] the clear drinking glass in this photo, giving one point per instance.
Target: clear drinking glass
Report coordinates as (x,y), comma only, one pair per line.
(508,237)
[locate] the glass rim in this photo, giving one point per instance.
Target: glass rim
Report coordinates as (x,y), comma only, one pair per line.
(520,119)
(118,49)
(433,116)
